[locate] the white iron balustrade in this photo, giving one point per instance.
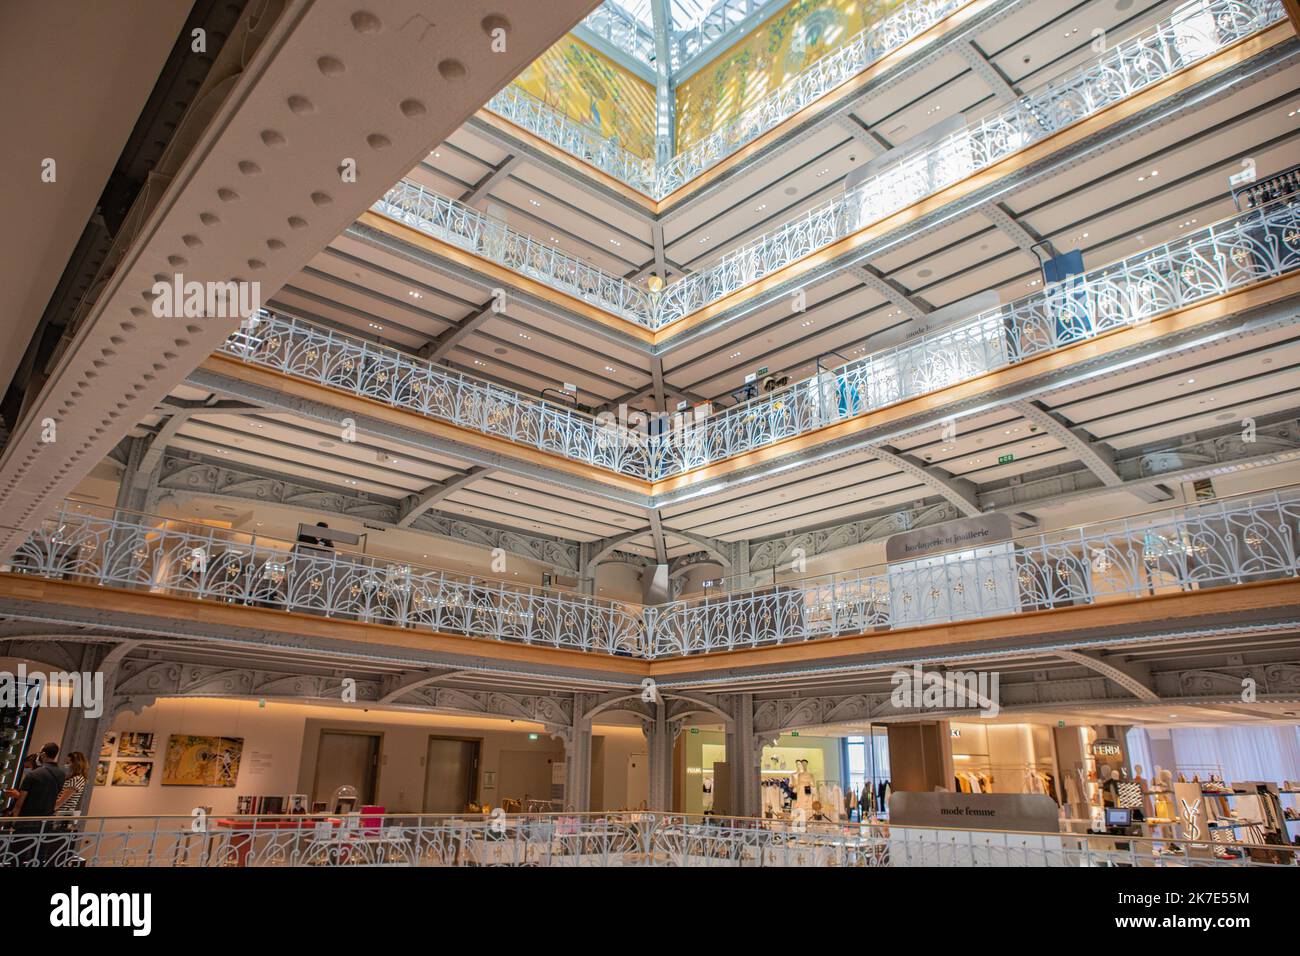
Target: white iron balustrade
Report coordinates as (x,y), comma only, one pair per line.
(635,838)
(453,222)
(1193,33)
(158,555)
(1220,258)
(1212,545)
(1219,544)
(295,347)
(1115,75)
(805,88)
(1217,259)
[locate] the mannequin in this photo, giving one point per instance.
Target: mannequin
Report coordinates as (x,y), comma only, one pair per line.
(805,787)
(1110,794)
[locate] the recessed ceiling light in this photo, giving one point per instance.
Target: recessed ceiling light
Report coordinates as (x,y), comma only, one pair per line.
(735,355)
(534,202)
(760,207)
(375,325)
(1191,381)
(704,240)
(615,242)
(525,335)
(610,368)
(415,295)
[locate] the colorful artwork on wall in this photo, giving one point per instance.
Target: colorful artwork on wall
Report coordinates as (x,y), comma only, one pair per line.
(198,761)
(132,773)
(135,744)
(590,88)
(101,773)
(773,53)
(108,744)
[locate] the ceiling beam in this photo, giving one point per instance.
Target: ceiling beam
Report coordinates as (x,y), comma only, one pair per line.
(863,134)
(415,505)
(913,306)
(439,347)
(1096,456)
(1112,670)
(657,534)
(1022,235)
(485,185)
(987,71)
(959,491)
(178,412)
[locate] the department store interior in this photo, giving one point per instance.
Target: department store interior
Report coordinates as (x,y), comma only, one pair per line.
(588,411)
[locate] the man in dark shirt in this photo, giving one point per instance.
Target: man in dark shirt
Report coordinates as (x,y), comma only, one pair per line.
(40,787)
(35,797)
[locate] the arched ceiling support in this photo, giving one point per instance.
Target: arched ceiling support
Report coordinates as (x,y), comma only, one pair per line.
(415,505)
(1096,456)
(958,491)
(1111,671)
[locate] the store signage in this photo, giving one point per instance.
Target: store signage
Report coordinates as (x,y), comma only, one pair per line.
(949,536)
(1029,812)
(1106,748)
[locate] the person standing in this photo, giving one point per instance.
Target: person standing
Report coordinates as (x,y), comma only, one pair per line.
(68,803)
(35,797)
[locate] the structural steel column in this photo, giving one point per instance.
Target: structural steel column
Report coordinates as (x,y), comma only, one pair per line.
(577,757)
(665,108)
(83,732)
(744,754)
(660,737)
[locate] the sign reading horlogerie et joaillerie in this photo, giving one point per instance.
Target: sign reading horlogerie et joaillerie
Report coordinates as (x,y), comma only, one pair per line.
(949,536)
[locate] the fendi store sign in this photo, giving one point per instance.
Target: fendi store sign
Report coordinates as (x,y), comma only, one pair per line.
(949,536)
(1031,812)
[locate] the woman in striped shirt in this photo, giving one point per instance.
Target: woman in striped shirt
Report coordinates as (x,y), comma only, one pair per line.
(74,785)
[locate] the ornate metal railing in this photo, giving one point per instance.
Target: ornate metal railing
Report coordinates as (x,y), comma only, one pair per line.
(804,89)
(294,347)
(491,239)
(808,86)
(1211,545)
(1196,32)
(1217,259)
(160,555)
(622,838)
(1216,544)
(575,138)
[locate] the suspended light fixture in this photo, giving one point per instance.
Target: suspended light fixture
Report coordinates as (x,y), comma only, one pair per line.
(655,282)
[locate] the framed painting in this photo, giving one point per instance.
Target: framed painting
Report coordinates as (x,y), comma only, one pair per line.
(132,773)
(200,761)
(135,744)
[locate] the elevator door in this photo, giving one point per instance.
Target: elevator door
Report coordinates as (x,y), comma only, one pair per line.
(346,759)
(450,775)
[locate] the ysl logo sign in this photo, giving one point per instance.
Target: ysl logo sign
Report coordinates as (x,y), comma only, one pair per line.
(1190,812)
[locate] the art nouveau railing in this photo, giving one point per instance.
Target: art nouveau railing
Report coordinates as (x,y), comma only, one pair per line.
(1227,542)
(1217,544)
(1197,32)
(157,555)
(804,89)
(624,838)
(577,139)
(1217,259)
(491,239)
(294,347)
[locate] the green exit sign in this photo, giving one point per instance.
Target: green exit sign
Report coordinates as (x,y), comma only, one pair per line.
(1006,459)
(695,730)
(794,733)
